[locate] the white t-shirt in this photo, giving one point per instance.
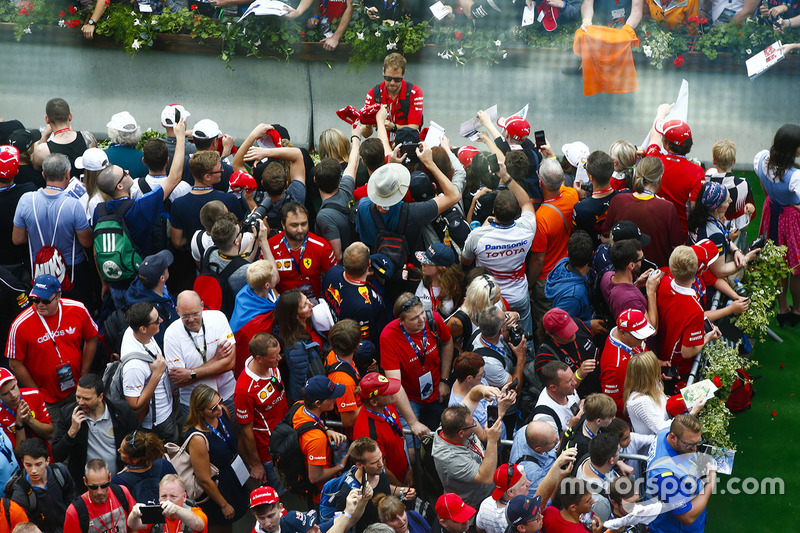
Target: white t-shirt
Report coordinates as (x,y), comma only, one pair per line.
(181,189)
(207,242)
(182,349)
(495,372)
(425,296)
(135,375)
(563,411)
(490,517)
(503,249)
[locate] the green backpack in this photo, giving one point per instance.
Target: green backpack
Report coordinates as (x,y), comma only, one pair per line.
(115,253)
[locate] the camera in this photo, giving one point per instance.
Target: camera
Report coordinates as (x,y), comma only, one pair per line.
(672,372)
(250,223)
(515,334)
(587,187)
(152,514)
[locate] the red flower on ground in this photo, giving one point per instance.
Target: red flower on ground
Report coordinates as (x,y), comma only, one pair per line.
(194,6)
(717,381)
(781,366)
(72,9)
(648,34)
(678,61)
(774,414)
(62,14)
(459,35)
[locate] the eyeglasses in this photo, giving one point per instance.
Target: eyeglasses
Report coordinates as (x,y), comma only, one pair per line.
(690,444)
(639,259)
(474,424)
(390,78)
(101,486)
(216,172)
(124,173)
(36,300)
(215,406)
(188,316)
(409,304)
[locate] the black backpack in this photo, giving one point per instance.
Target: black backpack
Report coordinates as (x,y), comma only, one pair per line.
(288,458)
(19,478)
(392,244)
(160,232)
(351,212)
(452,229)
(83,511)
(430,486)
(221,275)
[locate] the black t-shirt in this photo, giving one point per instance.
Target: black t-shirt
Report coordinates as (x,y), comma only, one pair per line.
(574,436)
(185,212)
(573,354)
(13,299)
(12,254)
(27,174)
(72,150)
(589,215)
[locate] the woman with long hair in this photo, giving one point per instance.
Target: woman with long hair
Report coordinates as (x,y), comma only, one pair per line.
(143,454)
(393,513)
(624,155)
(333,143)
(644,397)
(302,344)
(227,498)
(780,179)
(441,288)
(482,292)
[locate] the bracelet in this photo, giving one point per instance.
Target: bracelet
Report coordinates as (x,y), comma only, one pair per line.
(17,427)
(347,515)
(355,137)
(552,157)
(584,21)
(577,378)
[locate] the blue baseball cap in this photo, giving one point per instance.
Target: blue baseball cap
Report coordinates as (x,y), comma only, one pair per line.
(522,509)
(382,266)
(45,287)
(322,388)
(297,522)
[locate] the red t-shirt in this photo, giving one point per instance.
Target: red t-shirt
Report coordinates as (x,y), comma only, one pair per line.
(28,336)
(262,402)
(108,518)
(681,182)
(38,412)
(333,9)
(397,354)
(315,261)
(350,401)
(390,441)
(393,106)
(680,323)
(555,523)
(553,230)
(613,366)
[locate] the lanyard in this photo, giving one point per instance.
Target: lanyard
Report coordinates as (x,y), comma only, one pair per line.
(588,432)
(202,188)
(106,528)
(725,242)
(502,226)
(498,349)
(553,199)
(622,346)
(296,264)
(314,417)
(54,188)
(227,438)
(62,130)
(196,347)
(569,359)
(50,333)
(597,193)
(8,187)
(414,345)
(388,417)
(597,472)
(470,444)
(434,302)
(352,365)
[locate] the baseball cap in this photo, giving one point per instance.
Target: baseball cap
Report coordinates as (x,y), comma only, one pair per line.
(575,152)
(365,356)
(122,121)
(438,254)
(282,131)
(92,159)
(6,376)
(522,509)
(297,522)
(242,181)
(420,187)
(625,229)
(466,154)
(706,252)
(549,16)
(168,114)
(388,185)
(450,506)
(675,131)
(516,127)
(45,286)
(322,388)
(634,322)
(9,162)
(382,266)
(505,477)
(271,140)
(153,267)
(260,496)
(374,384)
(24,139)
(206,129)
(558,322)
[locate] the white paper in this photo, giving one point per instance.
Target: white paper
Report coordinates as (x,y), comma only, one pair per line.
(265,142)
(765,59)
(435,134)
(528,16)
(439,10)
(470,127)
(722,457)
(697,392)
(522,113)
(239,468)
(145,8)
(640,514)
(267,7)
(679,111)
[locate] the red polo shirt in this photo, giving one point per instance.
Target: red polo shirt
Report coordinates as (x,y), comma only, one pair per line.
(681,182)
(307,268)
(680,323)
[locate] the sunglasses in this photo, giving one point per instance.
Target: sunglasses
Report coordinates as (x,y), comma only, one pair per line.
(101,486)
(215,406)
(409,304)
(132,442)
(124,173)
(690,444)
(36,300)
(390,78)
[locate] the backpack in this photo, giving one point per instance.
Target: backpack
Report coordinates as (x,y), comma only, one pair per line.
(741,392)
(452,229)
(48,260)
(180,459)
(405,104)
(351,212)
(116,256)
(341,366)
(112,375)
(114,329)
(288,458)
(83,511)
(213,276)
(327,503)
(430,486)
(18,478)
(160,233)
(546,410)
(466,328)
(392,244)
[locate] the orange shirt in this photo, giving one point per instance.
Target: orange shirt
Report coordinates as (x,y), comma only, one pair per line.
(553,230)
(16,513)
(314,443)
(349,401)
(606,58)
(675,13)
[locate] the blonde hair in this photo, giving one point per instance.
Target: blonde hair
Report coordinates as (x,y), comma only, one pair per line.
(259,273)
(333,143)
(643,376)
(650,170)
(624,155)
(683,264)
(172,478)
(389,507)
(480,295)
(723,154)
(395,60)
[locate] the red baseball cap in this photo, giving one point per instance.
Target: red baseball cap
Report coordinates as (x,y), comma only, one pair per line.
(501,479)
(242,181)
(374,384)
(558,322)
(263,496)
(675,131)
(466,154)
(5,376)
(706,252)
(634,322)
(676,405)
(450,506)
(517,127)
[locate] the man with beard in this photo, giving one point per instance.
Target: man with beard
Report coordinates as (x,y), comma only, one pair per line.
(622,287)
(92,426)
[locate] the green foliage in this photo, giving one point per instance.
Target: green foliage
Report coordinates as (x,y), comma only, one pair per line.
(762,280)
(371,40)
(39,13)
(715,418)
(659,44)
(150,134)
(739,39)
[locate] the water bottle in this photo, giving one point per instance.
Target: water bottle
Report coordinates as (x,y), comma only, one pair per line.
(739,289)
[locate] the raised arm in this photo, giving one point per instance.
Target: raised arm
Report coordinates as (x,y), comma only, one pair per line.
(451,195)
(519,193)
(380,119)
(176,170)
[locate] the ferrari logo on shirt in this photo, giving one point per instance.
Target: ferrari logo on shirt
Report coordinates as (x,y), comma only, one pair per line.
(307,262)
(364,292)
(265,392)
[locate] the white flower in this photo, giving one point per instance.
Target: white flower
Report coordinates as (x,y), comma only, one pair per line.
(505,55)
(392,45)
(257,43)
(748,51)
(360,36)
(62,23)
(133,13)
(647,50)
(136,22)
(460,51)
(136,44)
(27,30)
(498,43)
(377,34)
(445,55)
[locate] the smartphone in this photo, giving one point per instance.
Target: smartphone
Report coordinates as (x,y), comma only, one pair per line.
(707,325)
(152,514)
(177,115)
(647,265)
(513,384)
(494,166)
(539,138)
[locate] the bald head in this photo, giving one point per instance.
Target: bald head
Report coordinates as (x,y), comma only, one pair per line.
(190,309)
(540,436)
(110,179)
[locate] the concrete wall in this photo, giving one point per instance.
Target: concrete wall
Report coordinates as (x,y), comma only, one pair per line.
(99,82)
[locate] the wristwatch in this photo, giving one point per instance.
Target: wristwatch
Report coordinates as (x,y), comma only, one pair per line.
(90,22)
(17,427)
(193,375)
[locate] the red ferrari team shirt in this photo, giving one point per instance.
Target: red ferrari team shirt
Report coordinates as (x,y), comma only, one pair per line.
(262,402)
(680,323)
(302,268)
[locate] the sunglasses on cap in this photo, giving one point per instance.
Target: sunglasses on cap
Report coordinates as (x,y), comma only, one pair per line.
(409,304)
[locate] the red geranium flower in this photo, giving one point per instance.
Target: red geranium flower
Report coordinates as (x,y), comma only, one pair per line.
(24,10)
(774,414)
(194,6)
(108,2)
(717,381)
(72,9)
(678,61)
(704,21)
(459,35)
(62,14)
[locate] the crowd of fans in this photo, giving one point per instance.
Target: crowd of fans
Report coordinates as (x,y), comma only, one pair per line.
(446,299)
